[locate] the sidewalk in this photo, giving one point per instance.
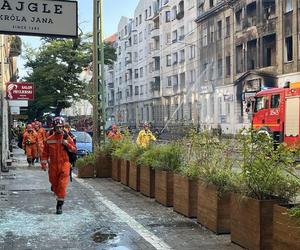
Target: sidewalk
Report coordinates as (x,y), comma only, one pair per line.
(98,214)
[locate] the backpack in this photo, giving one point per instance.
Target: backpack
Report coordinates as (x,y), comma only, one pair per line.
(72,156)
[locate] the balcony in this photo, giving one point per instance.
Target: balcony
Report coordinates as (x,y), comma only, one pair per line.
(155,32)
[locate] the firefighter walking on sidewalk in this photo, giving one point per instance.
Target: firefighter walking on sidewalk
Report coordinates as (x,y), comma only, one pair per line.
(56,156)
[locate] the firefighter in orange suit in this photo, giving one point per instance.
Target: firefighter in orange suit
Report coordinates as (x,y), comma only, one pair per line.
(114,134)
(29,144)
(41,138)
(55,154)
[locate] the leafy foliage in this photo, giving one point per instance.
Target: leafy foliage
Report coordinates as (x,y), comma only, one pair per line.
(267,172)
(211,159)
(294,212)
(84,161)
(164,157)
(55,70)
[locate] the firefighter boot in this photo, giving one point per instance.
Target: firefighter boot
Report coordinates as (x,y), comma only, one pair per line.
(59,207)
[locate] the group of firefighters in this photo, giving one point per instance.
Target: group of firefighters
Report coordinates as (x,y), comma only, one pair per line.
(54,150)
(145,136)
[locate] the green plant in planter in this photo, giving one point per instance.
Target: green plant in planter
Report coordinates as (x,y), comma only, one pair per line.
(84,161)
(122,151)
(211,159)
(267,172)
(135,152)
(166,157)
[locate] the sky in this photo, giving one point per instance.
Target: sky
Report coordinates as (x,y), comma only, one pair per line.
(112,12)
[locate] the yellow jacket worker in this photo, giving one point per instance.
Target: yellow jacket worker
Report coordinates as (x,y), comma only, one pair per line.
(145,136)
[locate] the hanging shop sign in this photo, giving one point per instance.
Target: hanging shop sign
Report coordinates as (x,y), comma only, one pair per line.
(20,91)
(39,18)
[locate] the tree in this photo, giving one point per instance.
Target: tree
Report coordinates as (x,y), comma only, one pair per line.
(55,69)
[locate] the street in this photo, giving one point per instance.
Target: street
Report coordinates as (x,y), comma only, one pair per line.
(98,214)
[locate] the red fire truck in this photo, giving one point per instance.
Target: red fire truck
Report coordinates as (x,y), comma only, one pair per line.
(277,113)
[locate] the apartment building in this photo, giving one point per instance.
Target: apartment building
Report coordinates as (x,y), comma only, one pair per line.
(178,34)
(245,46)
(155,73)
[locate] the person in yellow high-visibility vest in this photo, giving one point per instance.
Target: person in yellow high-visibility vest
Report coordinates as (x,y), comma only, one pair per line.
(145,136)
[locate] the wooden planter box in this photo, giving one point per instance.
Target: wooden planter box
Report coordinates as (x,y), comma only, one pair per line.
(185,196)
(252,222)
(134,176)
(286,230)
(115,170)
(164,187)
(147,181)
(124,172)
(213,210)
(103,166)
(86,171)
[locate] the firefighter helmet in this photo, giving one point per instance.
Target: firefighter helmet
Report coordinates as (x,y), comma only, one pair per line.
(58,122)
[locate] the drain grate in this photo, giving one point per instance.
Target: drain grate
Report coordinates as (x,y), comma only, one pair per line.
(99,237)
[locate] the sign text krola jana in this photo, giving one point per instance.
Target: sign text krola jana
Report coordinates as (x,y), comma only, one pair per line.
(39,17)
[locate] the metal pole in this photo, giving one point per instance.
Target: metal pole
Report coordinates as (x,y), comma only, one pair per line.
(98,73)
(95,73)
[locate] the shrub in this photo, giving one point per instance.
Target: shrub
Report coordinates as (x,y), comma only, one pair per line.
(135,152)
(210,159)
(166,157)
(122,150)
(267,171)
(84,161)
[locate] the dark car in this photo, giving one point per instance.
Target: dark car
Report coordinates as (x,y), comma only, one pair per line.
(84,143)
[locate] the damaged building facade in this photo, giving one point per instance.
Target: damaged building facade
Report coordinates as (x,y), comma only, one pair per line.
(245,46)
(201,62)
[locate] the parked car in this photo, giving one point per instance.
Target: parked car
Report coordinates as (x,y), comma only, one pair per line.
(84,143)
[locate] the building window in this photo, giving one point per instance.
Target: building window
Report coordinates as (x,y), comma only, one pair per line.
(136,73)
(136,90)
(141,90)
(140,19)
(220,67)
(168,16)
(192,51)
(289,49)
(212,104)
(168,38)
(228,108)
(211,3)
(269,50)
(288,5)
(251,55)
(228,26)
(193,75)
(169,60)
(190,111)
(169,81)
(174,36)
(212,31)
(219,30)
(181,33)
(228,66)
(175,58)
(175,80)
(141,72)
(182,56)
(136,21)
(238,18)
(239,59)
(204,38)
(182,80)
(174,12)
(135,39)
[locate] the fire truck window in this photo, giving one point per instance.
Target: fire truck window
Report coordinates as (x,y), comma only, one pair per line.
(275,99)
(260,103)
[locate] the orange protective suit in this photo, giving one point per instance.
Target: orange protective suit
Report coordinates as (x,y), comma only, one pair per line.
(29,144)
(55,152)
(41,138)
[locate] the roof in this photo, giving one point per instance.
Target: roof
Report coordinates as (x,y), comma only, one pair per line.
(111,39)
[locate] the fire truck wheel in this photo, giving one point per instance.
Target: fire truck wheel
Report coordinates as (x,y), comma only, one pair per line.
(265,132)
